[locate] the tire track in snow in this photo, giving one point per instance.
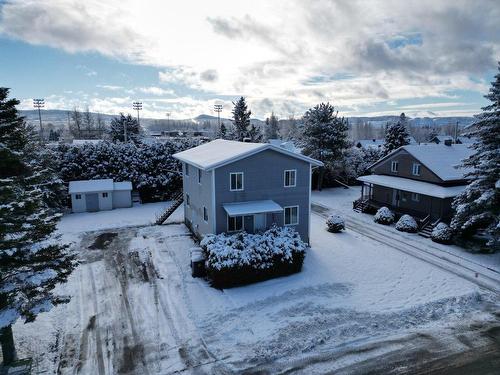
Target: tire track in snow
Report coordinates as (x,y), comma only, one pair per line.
(456,268)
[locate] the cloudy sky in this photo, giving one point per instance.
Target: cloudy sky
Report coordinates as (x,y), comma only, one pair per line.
(368,57)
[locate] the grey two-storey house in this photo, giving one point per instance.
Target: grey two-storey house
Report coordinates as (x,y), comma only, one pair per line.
(234,186)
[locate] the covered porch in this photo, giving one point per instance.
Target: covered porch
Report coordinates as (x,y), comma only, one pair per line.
(252,216)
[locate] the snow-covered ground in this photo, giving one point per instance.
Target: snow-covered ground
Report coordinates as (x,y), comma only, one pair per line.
(135,308)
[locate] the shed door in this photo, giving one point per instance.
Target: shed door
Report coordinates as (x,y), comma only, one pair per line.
(259,222)
(248,224)
(92,201)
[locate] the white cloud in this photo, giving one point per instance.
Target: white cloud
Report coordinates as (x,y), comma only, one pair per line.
(157,91)
(322,50)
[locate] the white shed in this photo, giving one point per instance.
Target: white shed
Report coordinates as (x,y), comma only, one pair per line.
(99,195)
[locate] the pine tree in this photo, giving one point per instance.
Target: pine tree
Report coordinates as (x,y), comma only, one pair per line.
(478,207)
(124,126)
(272,128)
(31,263)
(222,132)
(241,123)
(396,135)
(325,137)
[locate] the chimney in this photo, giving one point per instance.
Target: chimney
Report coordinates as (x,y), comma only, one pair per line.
(448,142)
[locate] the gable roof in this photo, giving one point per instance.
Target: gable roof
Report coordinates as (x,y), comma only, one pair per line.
(438,158)
(90,186)
(220,152)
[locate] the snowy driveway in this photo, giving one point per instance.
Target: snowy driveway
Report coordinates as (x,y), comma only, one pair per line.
(357,305)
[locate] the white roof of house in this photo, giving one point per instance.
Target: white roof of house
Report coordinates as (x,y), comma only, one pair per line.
(123,185)
(371,143)
(90,186)
(220,152)
(420,187)
(79,142)
(442,160)
(251,207)
(93,186)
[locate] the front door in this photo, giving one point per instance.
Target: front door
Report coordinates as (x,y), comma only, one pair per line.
(259,222)
(92,202)
(396,196)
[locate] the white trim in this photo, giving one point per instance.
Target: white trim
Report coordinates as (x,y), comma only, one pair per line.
(394,163)
(419,167)
(294,179)
(242,181)
(214,226)
(242,223)
(284,216)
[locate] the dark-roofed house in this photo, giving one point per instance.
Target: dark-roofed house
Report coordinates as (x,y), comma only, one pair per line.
(233,186)
(420,180)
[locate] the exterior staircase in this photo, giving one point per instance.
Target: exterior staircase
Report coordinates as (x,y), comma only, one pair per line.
(178,199)
(426,229)
(360,205)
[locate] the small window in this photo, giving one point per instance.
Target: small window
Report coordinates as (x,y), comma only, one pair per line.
(234,223)
(78,196)
(394,166)
(290,178)
(187,200)
(236,181)
(104,195)
(415,197)
(205,214)
(416,169)
(199,176)
(187,169)
(292,215)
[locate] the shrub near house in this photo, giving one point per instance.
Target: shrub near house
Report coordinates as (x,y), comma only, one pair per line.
(243,258)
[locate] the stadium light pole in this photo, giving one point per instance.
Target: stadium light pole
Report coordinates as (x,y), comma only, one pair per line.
(218,109)
(168,119)
(39,103)
(138,107)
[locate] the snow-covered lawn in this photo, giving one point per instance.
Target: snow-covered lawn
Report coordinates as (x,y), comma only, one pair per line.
(135,308)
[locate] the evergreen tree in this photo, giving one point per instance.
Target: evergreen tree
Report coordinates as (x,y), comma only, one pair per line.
(396,135)
(325,137)
(241,123)
(222,132)
(478,207)
(31,263)
(272,130)
(124,126)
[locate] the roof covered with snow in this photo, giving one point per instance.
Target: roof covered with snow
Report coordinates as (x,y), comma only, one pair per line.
(420,187)
(80,142)
(93,186)
(370,143)
(251,207)
(220,152)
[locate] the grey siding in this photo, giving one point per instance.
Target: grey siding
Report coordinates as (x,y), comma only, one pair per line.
(405,161)
(200,195)
(264,179)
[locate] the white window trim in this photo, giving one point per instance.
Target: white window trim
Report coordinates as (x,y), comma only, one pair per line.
(199,176)
(105,196)
(242,181)
(415,195)
(78,196)
(294,180)
(284,216)
(205,209)
(419,169)
(242,224)
(394,163)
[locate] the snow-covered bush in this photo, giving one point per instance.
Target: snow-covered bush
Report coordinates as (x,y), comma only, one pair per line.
(335,223)
(406,223)
(442,233)
(384,216)
(242,258)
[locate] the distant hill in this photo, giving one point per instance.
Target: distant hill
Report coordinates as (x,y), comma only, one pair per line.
(60,118)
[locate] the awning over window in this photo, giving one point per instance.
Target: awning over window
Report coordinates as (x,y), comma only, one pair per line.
(252,207)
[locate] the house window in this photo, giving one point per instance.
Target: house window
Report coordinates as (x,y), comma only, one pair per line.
(415,197)
(236,181)
(416,169)
(234,223)
(205,214)
(187,200)
(394,166)
(78,196)
(104,195)
(290,178)
(199,176)
(291,215)
(187,170)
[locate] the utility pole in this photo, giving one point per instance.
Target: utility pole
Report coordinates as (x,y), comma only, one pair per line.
(456,132)
(39,103)
(218,109)
(138,107)
(168,120)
